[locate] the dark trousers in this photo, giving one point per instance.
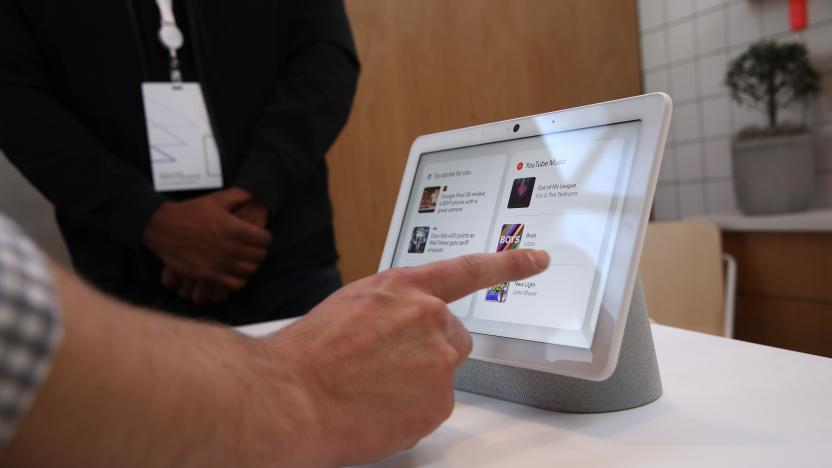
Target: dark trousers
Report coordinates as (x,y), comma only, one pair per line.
(263,299)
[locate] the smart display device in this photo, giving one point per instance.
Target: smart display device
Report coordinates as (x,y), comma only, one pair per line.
(578,183)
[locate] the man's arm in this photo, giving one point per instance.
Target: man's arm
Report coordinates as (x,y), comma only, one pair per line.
(54,151)
(304,114)
(367,373)
(49,145)
(308,107)
(130,387)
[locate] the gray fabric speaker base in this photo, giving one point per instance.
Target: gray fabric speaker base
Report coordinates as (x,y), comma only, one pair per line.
(635,381)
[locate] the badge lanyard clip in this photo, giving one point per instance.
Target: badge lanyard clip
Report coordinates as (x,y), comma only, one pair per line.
(171,37)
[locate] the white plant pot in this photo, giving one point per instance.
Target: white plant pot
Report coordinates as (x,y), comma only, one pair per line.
(774,174)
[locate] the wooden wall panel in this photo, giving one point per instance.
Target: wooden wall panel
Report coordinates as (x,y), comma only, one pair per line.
(431,65)
(797,265)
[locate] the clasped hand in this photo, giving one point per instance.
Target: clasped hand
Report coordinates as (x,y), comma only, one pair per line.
(209,245)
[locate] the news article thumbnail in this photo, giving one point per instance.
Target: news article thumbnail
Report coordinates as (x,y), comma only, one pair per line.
(429,198)
(419,239)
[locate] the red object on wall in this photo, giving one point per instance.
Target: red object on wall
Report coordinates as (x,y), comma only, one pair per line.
(798,15)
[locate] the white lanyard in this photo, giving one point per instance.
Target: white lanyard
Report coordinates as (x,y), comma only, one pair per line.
(171,37)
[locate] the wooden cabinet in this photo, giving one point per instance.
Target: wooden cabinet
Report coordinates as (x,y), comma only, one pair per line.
(784,289)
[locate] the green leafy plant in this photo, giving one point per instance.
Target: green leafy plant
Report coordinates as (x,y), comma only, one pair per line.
(770,76)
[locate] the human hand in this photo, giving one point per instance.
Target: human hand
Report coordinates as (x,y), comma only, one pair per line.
(202,240)
(253,211)
(375,362)
(196,291)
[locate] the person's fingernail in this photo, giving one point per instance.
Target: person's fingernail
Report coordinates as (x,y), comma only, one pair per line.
(540,258)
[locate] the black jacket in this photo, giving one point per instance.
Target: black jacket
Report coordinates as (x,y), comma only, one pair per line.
(278,78)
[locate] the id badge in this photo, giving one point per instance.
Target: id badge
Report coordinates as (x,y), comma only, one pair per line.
(183,152)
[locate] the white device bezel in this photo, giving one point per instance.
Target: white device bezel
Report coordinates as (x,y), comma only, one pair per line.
(597,362)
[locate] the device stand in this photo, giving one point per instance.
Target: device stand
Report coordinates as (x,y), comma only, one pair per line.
(634,382)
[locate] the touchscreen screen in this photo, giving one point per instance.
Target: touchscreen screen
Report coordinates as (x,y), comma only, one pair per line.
(561,192)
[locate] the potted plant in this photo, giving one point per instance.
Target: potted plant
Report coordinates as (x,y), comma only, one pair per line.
(774,166)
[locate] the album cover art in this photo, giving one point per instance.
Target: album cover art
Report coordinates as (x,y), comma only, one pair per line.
(497,293)
(521,192)
(510,237)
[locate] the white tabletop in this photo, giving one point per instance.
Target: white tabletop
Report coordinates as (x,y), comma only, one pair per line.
(817,220)
(725,403)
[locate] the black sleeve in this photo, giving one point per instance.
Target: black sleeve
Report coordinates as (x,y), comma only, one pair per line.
(55,152)
(309,105)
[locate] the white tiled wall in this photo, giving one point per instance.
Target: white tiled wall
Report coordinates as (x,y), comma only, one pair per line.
(685,47)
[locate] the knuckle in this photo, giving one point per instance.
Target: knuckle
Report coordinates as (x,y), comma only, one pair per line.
(394,278)
(446,358)
(467,343)
(473,266)
(516,262)
(222,280)
(379,298)
(219,279)
(239,267)
(433,311)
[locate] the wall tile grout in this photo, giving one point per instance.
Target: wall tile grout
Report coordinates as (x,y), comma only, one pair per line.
(679,174)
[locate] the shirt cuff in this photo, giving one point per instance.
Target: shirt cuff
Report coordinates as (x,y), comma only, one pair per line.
(261,176)
(30,327)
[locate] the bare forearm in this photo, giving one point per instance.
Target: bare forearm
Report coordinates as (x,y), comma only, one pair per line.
(133,388)
(366,373)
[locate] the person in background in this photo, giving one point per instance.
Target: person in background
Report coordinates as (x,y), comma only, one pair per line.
(88,381)
(278,78)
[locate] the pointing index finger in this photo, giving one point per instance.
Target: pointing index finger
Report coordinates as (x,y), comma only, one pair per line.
(453,279)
